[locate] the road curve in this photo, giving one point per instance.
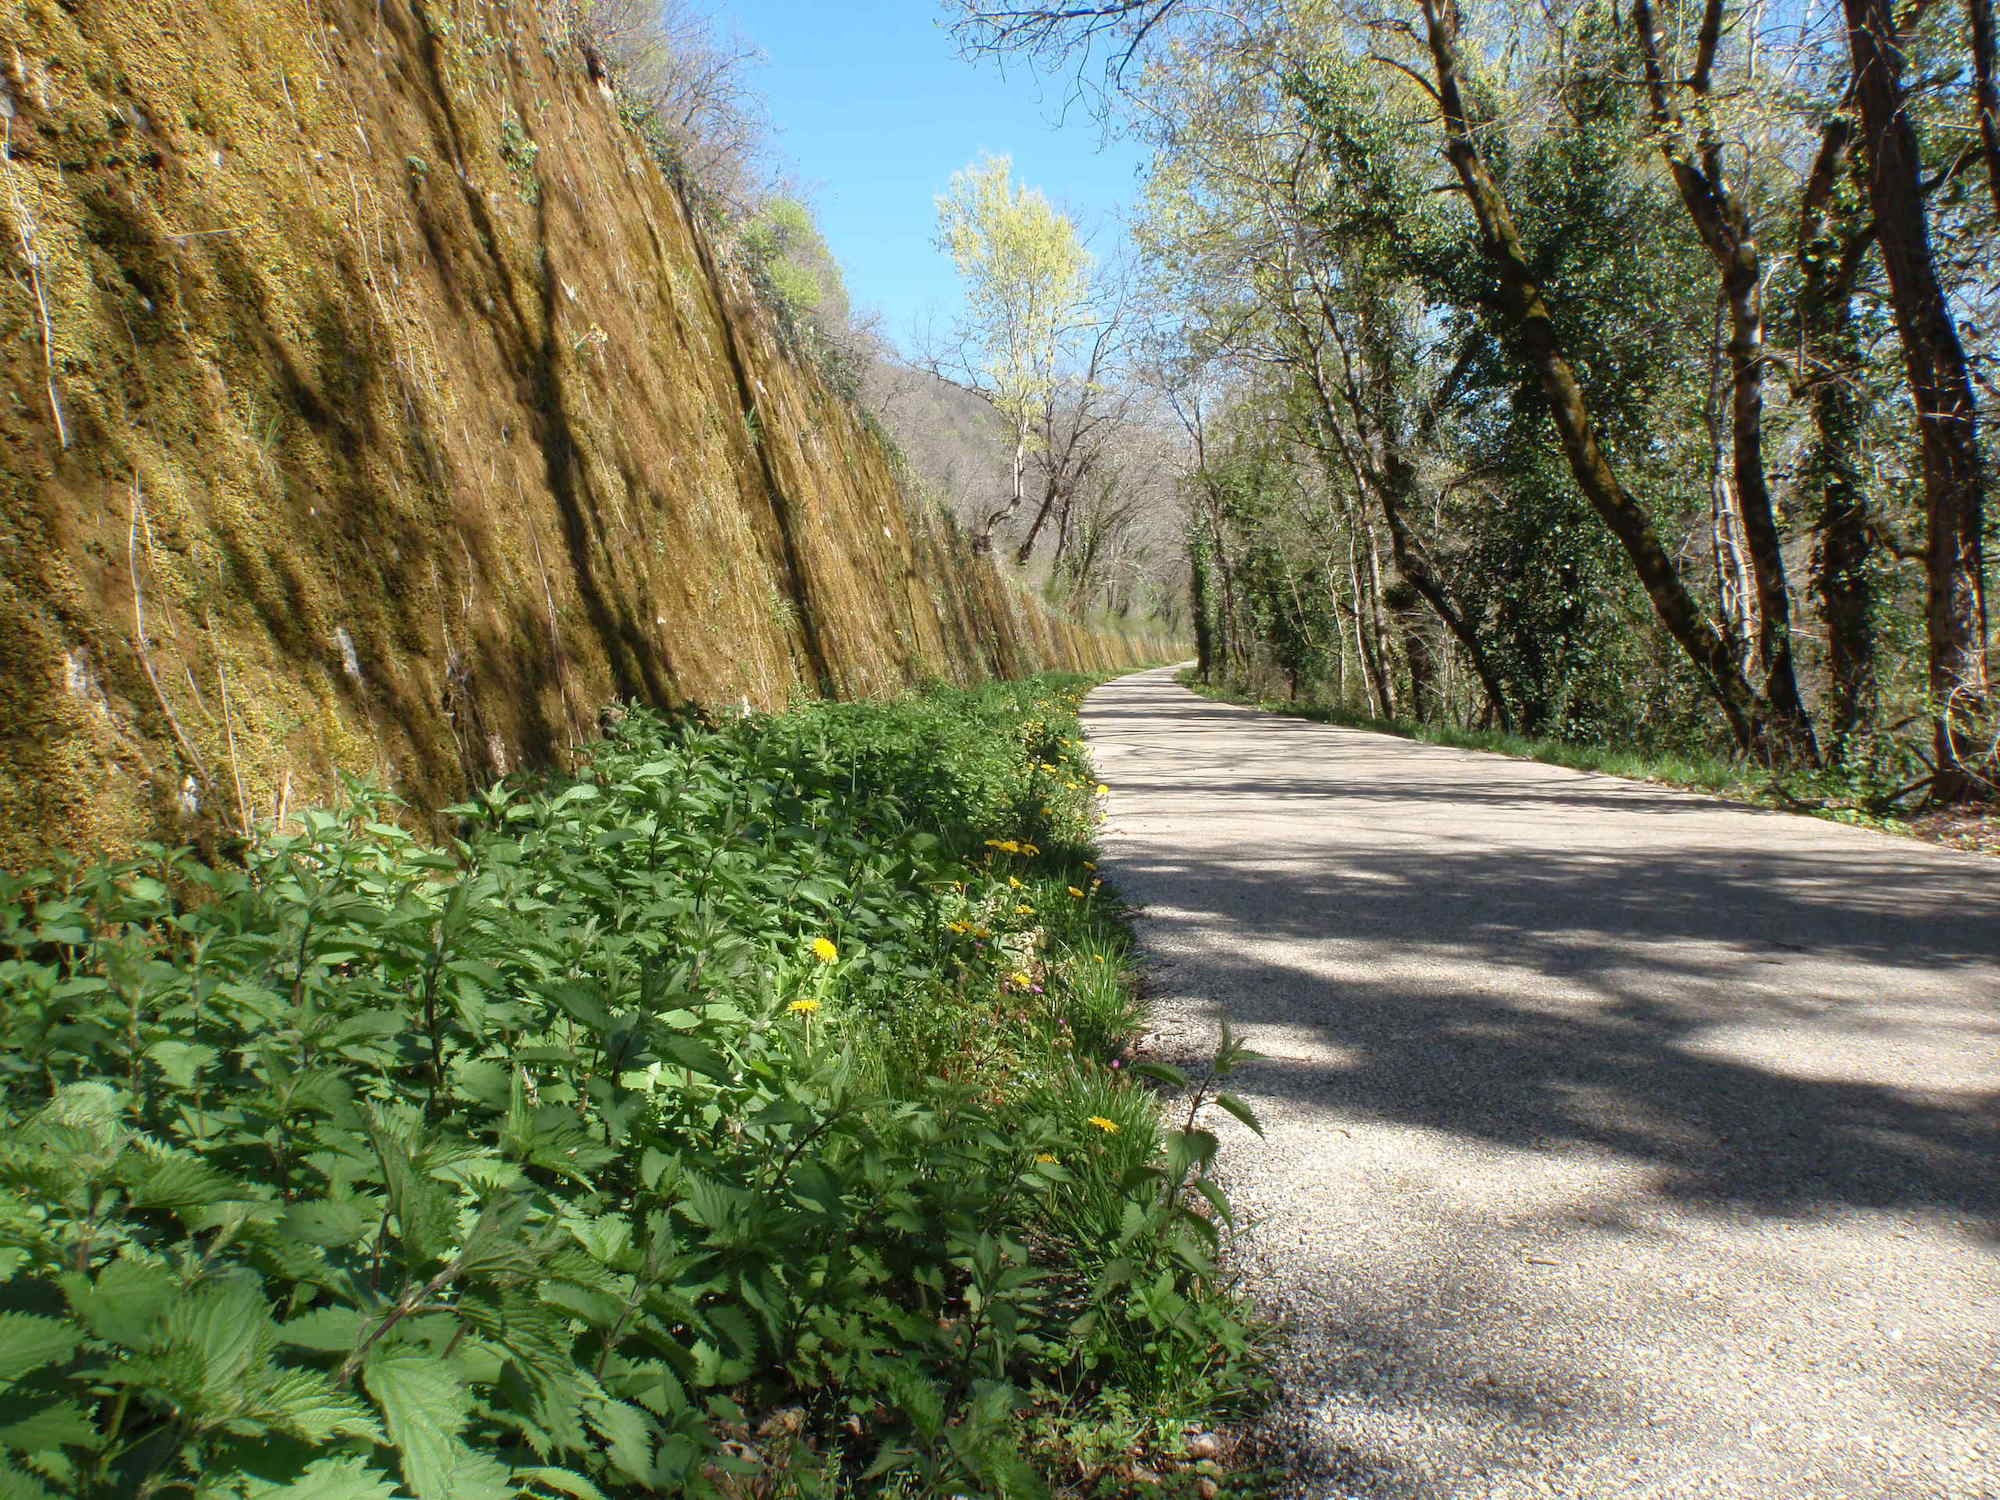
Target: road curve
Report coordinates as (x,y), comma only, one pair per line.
(1621,1142)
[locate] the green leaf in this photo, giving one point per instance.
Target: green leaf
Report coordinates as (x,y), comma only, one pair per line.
(126,1303)
(306,1404)
(345,1478)
(1161,1072)
(1242,1111)
(328,1222)
(628,1435)
(562,1481)
(425,1405)
(17,1484)
(37,1423)
(331,1330)
(28,1342)
(181,1062)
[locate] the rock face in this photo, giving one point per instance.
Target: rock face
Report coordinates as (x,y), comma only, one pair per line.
(373,403)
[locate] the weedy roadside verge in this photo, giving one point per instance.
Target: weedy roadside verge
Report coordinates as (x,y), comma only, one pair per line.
(749,1114)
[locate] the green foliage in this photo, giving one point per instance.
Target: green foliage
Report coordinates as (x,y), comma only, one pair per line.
(720,1118)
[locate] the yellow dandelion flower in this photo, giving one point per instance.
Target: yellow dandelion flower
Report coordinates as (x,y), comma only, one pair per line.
(1025,911)
(1020,981)
(1031,848)
(803,1007)
(1013,883)
(1076,893)
(824,951)
(1046,1158)
(1103,790)
(1109,1127)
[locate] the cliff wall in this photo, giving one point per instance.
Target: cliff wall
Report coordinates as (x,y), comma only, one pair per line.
(373,403)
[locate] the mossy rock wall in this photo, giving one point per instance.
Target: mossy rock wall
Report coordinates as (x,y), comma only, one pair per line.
(406,420)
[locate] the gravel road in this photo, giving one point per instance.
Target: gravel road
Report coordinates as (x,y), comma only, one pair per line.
(1620,1142)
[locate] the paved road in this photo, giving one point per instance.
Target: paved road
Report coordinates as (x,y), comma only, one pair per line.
(1621,1142)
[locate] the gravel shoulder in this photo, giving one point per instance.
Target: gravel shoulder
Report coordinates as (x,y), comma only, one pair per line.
(1620,1141)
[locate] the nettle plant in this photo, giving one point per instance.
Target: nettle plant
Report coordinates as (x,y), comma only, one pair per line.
(737,1117)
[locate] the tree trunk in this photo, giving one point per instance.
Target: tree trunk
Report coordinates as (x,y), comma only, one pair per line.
(1985,91)
(1527,319)
(982,539)
(1934,359)
(1198,602)
(1371,662)
(1400,485)
(1831,244)
(1723,222)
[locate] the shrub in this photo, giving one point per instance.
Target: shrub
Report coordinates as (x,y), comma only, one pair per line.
(718,1118)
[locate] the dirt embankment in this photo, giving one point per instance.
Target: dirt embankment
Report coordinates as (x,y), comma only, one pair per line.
(372,403)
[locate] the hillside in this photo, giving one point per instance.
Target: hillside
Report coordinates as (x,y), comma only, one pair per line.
(376,405)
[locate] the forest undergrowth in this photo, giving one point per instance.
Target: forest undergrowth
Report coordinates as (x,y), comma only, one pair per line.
(1840,795)
(751,1113)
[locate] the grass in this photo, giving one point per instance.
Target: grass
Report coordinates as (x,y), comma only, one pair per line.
(750,1114)
(1836,796)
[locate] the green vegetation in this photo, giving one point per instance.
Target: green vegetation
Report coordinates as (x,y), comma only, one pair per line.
(1841,797)
(1620,374)
(749,1114)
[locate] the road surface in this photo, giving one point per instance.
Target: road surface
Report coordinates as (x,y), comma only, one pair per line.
(1621,1142)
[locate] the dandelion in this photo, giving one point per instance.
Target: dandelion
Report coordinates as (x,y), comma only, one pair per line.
(1046,1158)
(1103,790)
(824,951)
(1024,911)
(1013,883)
(1109,1127)
(1020,981)
(1031,849)
(803,1007)
(1076,893)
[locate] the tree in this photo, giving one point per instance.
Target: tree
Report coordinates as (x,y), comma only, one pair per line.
(1026,277)
(1940,384)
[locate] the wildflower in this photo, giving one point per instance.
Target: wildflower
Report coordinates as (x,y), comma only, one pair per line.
(1046,812)
(961,927)
(1109,1127)
(1020,981)
(1046,1158)
(1103,790)
(1013,883)
(1089,864)
(1024,911)
(803,1007)
(824,951)
(1076,893)
(1031,849)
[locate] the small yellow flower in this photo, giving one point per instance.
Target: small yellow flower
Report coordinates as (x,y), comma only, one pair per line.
(803,1007)
(1046,812)
(1031,849)
(1103,790)
(1025,911)
(961,927)
(1046,1158)
(1020,981)
(1089,865)
(1076,893)
(1109,1127)
(1013,883)
(824,951)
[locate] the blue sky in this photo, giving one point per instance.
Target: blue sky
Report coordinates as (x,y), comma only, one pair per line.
(875,111)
